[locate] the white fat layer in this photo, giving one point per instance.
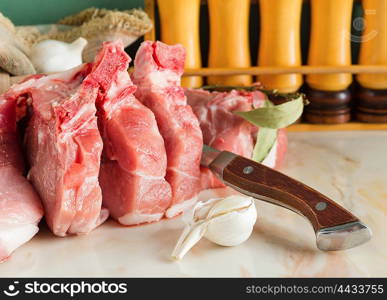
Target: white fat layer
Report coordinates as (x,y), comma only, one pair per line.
(40,136)
(145,176)
(122,80)
(25,85)
(181,207)
(68,134)
(102,216)
(13,236)
(84,108)
(67,75)
(40,82)
(271,158)
(165,78)
(138,218)
(181,173)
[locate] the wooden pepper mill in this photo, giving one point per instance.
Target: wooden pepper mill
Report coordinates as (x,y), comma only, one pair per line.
(229,39)
(280,42)
(330,44)
(371,98)
(180,25)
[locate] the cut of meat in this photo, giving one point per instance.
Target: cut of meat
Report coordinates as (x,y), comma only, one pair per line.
(20,211)
(224,130)
(157,74)
(134,159)
(20,206)
(64,148)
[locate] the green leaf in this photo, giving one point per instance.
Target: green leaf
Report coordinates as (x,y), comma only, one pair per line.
(268,103)
(265,140)
(277,116)
(269,119)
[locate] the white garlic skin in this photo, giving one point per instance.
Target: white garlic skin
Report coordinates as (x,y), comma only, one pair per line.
(234,227)
(225,221)
(50,56)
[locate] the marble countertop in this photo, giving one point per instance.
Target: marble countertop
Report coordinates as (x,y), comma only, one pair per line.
(350,167)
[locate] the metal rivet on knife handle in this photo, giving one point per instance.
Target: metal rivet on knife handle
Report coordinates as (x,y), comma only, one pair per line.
(248,170)
(321,206)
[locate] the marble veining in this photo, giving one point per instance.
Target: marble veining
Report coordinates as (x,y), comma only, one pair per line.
(350,167)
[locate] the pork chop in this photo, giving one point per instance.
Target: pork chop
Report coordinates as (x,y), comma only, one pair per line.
(20,206)
(157,73)
(134,158)
(64,148)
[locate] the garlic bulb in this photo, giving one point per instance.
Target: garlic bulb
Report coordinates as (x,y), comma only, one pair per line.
(225,221)
(51,56)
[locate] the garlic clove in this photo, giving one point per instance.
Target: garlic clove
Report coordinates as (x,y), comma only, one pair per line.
(195,228)
(233,228)
(50,56)
(190,236)
(202,209)
(78,45)
(224,221)
(231,203)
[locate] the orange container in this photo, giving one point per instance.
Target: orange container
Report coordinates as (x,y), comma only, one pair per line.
(330,42)
(229,39)
(373,47)
(280,42)
(180,25)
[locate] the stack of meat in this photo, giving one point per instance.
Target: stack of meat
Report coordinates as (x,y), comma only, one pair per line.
(153,143)
(139,160)
(99,144)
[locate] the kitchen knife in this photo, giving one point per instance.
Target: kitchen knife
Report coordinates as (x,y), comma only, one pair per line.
(335,227)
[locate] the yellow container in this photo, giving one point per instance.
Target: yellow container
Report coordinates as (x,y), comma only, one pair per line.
(180,25)
(373,47)
(280,42)
(229,39)
(330,42)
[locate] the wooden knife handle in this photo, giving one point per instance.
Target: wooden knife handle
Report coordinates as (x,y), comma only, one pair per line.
(266,184)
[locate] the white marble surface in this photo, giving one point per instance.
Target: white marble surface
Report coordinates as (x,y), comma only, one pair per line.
(350,167)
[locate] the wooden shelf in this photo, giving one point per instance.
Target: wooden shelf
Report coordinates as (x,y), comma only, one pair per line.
(277,70)
(301,127)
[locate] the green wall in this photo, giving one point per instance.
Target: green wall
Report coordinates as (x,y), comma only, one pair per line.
(25,12)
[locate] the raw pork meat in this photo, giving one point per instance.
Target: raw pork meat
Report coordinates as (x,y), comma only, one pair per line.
(20,207)
(224,130)
(134,159)
(64,148)
(157,74)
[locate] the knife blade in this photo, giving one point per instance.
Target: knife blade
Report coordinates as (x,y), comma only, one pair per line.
(335,227)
